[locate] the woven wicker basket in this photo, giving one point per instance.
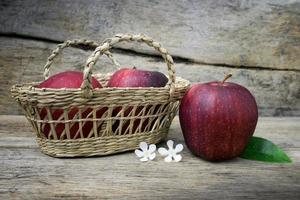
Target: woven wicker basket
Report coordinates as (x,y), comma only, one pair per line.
(105,120)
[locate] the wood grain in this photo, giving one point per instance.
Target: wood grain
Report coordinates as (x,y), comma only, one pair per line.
(260,33)
(26,173)
(276,92)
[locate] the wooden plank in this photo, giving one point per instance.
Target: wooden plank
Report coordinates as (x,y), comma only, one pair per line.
(241,33)
(25,173)
(276,92)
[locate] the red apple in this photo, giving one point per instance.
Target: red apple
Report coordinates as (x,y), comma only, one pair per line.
(68,79)
(217,119)
(135,78)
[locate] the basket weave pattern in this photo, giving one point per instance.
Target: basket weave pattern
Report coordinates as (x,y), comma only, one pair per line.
(101,121)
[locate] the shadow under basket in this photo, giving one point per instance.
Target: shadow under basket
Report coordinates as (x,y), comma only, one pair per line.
(102,121)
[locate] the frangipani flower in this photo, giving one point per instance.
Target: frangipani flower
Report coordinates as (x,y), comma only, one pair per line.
(146,153)
(171,153)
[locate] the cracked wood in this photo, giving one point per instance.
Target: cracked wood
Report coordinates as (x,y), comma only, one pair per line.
(234,33)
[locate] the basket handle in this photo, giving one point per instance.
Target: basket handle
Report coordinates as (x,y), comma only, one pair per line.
(109,43)
(69,43)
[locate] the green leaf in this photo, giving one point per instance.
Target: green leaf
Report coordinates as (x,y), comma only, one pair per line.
(264,150)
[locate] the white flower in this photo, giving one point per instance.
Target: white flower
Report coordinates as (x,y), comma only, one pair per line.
(171,153)
(146,153)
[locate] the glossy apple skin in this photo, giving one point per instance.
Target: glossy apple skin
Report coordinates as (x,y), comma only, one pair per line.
(127,77)
(137,78)
(68,79)
(217,119)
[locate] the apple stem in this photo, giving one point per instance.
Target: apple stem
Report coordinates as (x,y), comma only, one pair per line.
(226,77)
(134,67)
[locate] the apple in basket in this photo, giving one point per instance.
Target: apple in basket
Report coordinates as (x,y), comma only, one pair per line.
(68,79)
(133,77)
(217,119)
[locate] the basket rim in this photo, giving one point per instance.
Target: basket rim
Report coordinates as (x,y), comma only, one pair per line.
(30,86)
(27,94)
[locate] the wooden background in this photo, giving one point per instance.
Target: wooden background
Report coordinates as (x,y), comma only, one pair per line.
(258,41)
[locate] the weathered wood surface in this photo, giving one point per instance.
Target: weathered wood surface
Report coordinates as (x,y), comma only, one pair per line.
(26,173)
(276,92)
(263,33)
